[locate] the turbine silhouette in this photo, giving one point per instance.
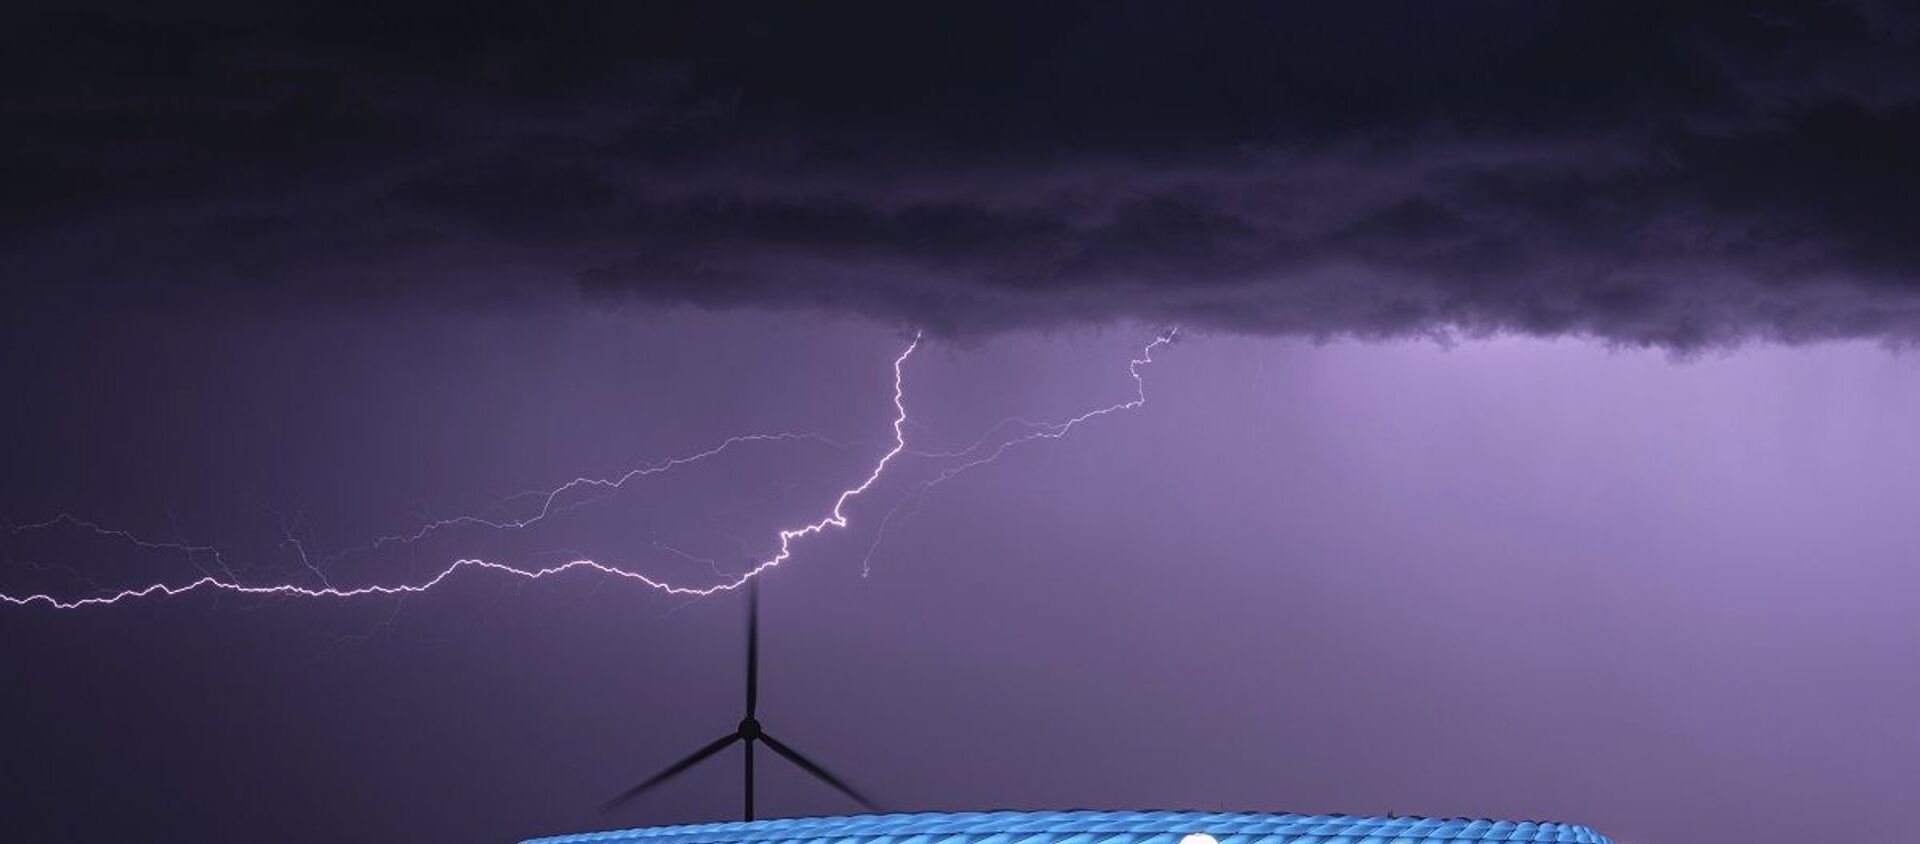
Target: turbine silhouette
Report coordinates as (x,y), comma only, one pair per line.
(747,734)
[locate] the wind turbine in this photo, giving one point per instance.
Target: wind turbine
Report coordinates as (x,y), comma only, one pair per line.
(747,734)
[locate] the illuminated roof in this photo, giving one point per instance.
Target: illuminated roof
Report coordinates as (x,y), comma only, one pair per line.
(1091,828)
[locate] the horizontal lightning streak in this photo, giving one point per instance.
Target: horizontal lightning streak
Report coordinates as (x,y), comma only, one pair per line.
(553,501)
(835,518)
(69,520)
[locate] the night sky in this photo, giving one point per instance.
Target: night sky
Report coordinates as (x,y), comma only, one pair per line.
(1539,440)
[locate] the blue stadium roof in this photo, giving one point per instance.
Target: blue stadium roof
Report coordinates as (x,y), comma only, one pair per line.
(1091,828)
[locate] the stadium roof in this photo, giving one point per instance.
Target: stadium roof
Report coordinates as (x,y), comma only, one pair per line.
(1085,827)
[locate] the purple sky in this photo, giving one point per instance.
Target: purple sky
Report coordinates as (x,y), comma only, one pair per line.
(1671,599)
(1540,442)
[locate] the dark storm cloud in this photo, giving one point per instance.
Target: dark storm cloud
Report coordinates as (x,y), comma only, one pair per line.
(1661,173)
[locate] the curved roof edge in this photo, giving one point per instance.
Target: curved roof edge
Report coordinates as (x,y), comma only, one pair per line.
(1092,827)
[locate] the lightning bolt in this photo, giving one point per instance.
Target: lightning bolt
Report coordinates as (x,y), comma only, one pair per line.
(557,500)
(68,520)
(1035,431)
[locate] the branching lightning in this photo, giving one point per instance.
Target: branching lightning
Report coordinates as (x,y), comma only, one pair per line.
(555,501)
(979,455)
(559,499)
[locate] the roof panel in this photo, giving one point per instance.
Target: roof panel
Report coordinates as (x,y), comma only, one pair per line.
(1078,827)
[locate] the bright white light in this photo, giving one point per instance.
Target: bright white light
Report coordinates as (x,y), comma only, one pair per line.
(1199,838)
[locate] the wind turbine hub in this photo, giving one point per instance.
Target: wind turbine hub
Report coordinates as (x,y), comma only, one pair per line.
(750,728)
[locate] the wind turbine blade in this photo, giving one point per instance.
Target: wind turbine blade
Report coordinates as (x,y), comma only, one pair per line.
(748,747)
(753,646)
(670,771)
(818,772)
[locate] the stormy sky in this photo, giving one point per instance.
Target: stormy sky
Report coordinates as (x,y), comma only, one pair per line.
(1539,443)
(1681,174)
